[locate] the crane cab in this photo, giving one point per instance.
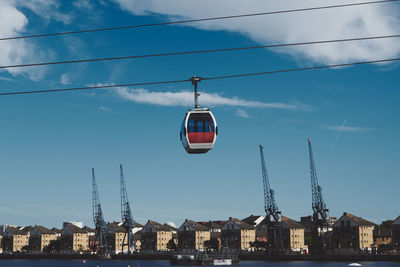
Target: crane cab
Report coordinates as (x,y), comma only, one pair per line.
(199,131)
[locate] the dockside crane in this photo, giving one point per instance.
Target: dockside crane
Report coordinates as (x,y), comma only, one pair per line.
(98,219)
(127,219)
(320,212)
(273,215)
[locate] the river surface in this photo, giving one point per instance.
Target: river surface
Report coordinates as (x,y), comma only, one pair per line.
(130,263)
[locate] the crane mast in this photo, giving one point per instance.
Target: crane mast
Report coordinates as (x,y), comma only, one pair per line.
(98,219)
(270,206)
(321,213)
(273,215)
(127,219)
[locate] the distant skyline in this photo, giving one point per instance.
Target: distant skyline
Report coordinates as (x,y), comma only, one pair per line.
(50,142)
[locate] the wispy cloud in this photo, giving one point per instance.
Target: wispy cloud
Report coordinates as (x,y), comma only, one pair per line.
(65,78)
(242,113)
(84,4)
(13,22)
(341,129)
(105,109)
(185,98)
(368,20)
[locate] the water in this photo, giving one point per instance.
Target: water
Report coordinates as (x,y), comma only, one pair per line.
(123,263)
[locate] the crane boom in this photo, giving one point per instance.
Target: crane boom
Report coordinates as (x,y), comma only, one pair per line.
(273,215)
(270,206)
(127,219)
(318,204)
(321,213)
(98,218)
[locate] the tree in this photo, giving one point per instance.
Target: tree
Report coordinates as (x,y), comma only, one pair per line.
(212,244)
(171,245)
(386,224)
(258,245)
(26,248)
(308,240)
(53,246)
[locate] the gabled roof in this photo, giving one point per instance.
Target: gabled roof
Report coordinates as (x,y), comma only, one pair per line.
(43,230)
(138,224)
(356,220)
(89,230)
(242,225)
(291,224)
(75,229)
(170,227)
(55,230)
(27,229)
(15,231)
(161,227)
(396,221)
(212,224)
(197,226)
(115,227)
(252,219)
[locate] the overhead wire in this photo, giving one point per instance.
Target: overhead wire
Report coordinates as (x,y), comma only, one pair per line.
(205,78)
(195,20)
(199,51)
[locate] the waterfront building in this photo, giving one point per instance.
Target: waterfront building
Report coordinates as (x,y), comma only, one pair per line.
(16,239)
(259,226)
(40,237)
(382,236)
(293,236)
(215,231)
(76,223)
(396,232)
(74,239)
(138,227)
(192,235)
(352,234)
(138,240)
(115,238)
(254,220)
(155,237)
(236,235)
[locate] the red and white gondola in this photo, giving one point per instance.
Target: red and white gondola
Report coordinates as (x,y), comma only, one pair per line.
(199,128)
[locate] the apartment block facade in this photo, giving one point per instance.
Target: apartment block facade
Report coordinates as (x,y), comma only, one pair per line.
(15,239)
(40,237)
(293,236)
(74,239)
(155,237)
(192,235)
(396,232)
(352,234)
(236,235)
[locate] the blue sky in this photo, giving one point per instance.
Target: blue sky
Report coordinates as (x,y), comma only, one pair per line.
(50,142)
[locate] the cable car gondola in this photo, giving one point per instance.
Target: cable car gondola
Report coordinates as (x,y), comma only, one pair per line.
(199,129)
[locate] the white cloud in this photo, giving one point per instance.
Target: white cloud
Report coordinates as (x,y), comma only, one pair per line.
(65,78)
(47,9)
(342,128)
(83,4)
(105,109)
(13,22)
(242,113)
(367,20)
(185,98)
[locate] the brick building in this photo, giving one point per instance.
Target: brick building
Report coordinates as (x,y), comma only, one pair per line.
(352,234)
